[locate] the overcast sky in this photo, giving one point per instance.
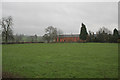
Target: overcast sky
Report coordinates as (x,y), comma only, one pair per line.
(33,17)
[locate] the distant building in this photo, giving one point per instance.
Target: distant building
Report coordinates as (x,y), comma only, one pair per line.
(68,38)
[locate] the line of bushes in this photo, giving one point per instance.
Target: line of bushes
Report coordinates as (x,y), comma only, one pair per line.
(20,42)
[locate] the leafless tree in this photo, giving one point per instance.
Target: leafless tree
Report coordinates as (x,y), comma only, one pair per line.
(7,32)
(19,37)
(46,37)
(105,30)
(51,34)
(35,38)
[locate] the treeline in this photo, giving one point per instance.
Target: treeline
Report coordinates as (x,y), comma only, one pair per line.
(19,38)
(102,35)
(8,36)
(23,39)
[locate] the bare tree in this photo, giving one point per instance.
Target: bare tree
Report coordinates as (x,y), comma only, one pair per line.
(19,38)
(7,32)
(0,34)
(105,30)
(104,35)
(46,37)
(35,38)
(91,36)
(51,34)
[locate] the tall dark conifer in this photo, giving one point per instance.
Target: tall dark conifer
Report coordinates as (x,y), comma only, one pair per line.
(115,35)
(83,32)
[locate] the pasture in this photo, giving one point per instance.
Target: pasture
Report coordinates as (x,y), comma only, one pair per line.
(61,60)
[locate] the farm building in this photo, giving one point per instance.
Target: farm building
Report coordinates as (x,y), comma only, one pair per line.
(68,38)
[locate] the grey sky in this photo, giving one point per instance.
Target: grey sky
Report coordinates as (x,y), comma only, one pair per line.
(32,18)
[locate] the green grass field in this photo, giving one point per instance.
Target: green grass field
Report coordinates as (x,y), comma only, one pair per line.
(61,60)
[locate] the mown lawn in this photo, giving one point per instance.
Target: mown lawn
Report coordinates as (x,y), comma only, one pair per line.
(61,60)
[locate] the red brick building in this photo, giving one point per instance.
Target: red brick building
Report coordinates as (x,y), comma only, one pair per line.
(68,38)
